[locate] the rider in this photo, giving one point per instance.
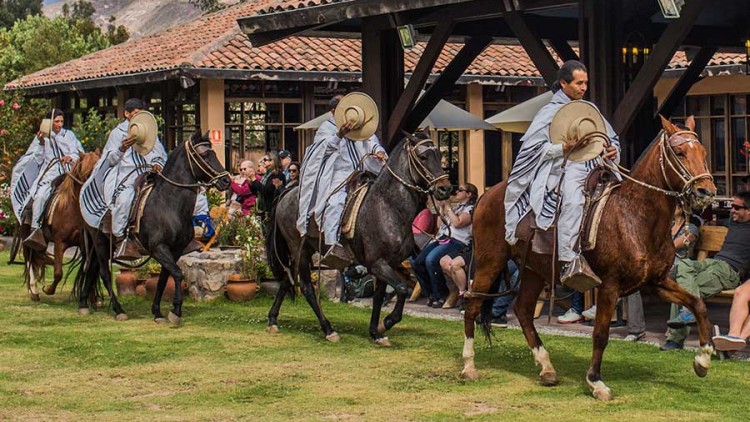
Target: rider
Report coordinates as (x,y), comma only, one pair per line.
(538,169)
(328,163)
(111,185)
(53,154)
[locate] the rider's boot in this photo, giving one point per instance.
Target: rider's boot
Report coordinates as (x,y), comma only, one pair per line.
(36,240)
(128,250)
(193,246)
(337,256)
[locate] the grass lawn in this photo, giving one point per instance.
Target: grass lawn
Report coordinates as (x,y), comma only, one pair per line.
(222,365)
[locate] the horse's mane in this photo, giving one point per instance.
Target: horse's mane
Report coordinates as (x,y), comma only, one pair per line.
(655,142)
(66,193)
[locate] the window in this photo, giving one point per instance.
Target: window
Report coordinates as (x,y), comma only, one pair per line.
(722,123)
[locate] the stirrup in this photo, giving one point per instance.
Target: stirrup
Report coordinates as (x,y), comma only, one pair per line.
(128,251)
(36,240)
(579,276)
(337,257)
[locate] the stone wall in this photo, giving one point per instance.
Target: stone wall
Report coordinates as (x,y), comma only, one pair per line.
(206,272)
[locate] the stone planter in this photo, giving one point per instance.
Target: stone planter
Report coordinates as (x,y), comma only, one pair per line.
(240,289)
(206,273)
(125,282)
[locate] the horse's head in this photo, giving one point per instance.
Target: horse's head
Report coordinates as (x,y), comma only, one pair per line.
(685,168)
(86,163)
(203,163)
(425,168)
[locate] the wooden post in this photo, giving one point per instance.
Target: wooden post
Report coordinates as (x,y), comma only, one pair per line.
(475,142)
(212,112)
(507,153)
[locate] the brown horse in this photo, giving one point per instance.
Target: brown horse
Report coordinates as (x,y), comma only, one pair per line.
(62,226)
(633,251)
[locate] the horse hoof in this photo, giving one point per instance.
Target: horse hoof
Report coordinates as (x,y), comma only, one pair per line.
(272,329)
(98,304)
(174,319)
(548,379)
(333,337)
(600,391)
(121,317)
(35,297)
(699,369)
(160,320)
(84,311)
(48,291)
(381,328)
(470,374)
(383,342)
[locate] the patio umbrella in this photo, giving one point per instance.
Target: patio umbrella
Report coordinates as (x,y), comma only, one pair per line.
(445,116)
(518,118)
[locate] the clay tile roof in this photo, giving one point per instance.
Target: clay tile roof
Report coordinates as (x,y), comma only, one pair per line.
(679,61)
(283,5)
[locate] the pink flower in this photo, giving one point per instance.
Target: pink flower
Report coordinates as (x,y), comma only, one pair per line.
(16,106)
(2,103)
(3,132)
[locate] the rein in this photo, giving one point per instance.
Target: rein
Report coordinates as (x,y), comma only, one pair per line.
(194,158)
(415,165)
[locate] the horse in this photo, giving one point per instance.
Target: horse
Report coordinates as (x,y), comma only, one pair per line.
(633,251)
(382,239)
(166,227)
(62,227)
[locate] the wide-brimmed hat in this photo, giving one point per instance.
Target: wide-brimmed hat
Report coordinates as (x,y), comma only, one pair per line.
(575,121)
(362,111)
(46,126)
(143,126)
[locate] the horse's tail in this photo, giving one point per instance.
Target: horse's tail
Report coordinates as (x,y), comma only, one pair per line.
(278,253)
(89,264)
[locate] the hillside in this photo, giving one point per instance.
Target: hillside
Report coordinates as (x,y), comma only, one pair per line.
(141,17)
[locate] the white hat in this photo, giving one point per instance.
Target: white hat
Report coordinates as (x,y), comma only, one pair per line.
(361,110)
(576,120)
(143,126)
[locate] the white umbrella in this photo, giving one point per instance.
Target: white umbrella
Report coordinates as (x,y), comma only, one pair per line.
(518,118)
(445,116)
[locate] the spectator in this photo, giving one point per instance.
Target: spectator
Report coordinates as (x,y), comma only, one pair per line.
(739,322)
(293,179)
(423,227)
(710,276)
(286,161)
(246,187)
(273,184)
(452,237)
(501,304)
(261,170)
(575,313)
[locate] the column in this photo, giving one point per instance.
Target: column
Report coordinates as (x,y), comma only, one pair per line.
(475,140)
(212,112)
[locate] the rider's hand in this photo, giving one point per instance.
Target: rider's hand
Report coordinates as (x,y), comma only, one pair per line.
(381,155)
(127,143)
(157,168)
(40,137)
(346,128)
(610,153)
(67,159)
(276,182)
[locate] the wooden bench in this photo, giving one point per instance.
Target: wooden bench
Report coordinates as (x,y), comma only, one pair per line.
(710,241)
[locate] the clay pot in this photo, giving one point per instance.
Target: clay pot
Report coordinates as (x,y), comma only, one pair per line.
(240,289)
(152,281)
(125,282)
(140,287)
(270,287)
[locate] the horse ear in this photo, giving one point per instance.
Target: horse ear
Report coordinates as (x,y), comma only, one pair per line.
(690,123)
(98,151)
(426,132)
(668,126)
(409,136)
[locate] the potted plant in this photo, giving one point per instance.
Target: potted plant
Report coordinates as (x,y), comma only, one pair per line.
(125,282)
(230,233)
(244,285)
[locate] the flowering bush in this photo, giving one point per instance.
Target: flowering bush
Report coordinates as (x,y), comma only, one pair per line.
(94,130)
(745,149)
(19,122)
(245,231)
(7,219)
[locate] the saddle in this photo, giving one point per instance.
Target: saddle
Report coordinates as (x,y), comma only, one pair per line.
(599,185)
(357,186)
(143,186)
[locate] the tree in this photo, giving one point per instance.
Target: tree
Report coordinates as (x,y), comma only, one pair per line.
(207,6)
(13,10)
(116,34)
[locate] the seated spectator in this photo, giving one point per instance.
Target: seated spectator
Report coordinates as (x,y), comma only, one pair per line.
(452,237)
(574,314)
(423,227)
(246,186)
(739,322)
(722,272)
(501,304)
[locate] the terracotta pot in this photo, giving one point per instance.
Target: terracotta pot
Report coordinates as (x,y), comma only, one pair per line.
(140,287)
(270,287)
(125,282)
(240,289)
(152,281)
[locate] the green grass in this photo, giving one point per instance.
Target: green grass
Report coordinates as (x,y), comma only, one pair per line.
(221,365)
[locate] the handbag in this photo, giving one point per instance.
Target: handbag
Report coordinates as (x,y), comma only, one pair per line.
(579,276)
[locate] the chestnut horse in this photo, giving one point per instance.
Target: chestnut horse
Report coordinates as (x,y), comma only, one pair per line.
(633,251)
(63,227)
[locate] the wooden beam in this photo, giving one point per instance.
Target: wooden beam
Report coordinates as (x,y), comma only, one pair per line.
(447,79)
(649,74)
(533,45)
(418,78)
(563,49)
(689,77)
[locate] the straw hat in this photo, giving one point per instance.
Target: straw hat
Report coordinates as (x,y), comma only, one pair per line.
(362,111)
(574,121)
(143,127)
(46,126)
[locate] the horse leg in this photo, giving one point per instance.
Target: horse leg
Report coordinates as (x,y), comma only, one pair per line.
(524,310)
(59,252)
(386,275)
(309,291)
(670,291)
(606,300)
(105,274)
(31,275)
(168,267)
(273,314)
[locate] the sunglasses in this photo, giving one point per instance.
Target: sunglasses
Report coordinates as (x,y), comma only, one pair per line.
(738,207)
(293,170)
(462,190)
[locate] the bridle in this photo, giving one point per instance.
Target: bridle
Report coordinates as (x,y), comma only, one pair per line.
(195,160)
(423,174)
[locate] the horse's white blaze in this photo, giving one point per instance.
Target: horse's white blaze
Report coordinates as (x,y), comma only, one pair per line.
(32,279)
(468,353)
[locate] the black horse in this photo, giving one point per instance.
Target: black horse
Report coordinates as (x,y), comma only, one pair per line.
(383,238)
(166,227)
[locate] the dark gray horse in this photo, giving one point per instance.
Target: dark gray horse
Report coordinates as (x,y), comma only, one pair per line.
(165,229)
(383,238)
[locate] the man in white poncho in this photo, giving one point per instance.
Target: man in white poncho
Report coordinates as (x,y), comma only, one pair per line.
(328,163)
(538,169)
